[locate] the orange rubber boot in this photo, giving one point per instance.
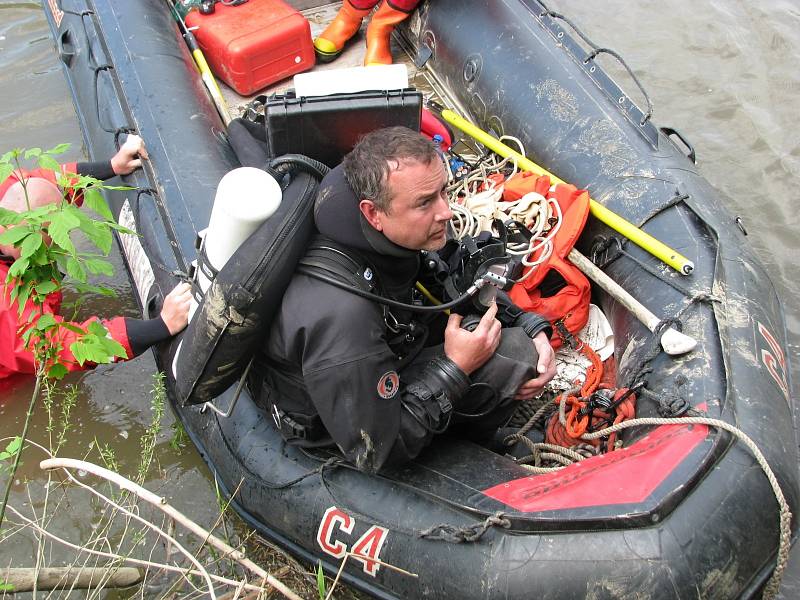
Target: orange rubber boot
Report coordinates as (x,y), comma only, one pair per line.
(379,32)
(331,42)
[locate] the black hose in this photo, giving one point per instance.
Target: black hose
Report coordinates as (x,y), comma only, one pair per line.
(380,299)
(309,165)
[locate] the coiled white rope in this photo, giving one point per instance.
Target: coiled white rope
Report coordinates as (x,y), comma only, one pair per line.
(476,201)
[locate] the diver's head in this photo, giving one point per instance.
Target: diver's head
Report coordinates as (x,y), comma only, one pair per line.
(35,193)
(399,180)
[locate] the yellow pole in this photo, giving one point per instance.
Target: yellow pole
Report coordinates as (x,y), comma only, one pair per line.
(646,241)
(202,66)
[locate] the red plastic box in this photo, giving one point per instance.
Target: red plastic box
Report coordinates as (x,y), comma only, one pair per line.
(254,44)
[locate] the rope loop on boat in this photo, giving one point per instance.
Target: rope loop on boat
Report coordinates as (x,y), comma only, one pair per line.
(119,132)
(598,50)
(471,533)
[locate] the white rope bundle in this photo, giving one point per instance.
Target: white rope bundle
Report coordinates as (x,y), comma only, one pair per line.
(476,201)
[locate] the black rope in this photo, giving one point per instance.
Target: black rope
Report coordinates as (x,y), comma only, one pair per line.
(652,346)
(119,132)
(97,70)
(137,219)
(603,245)
(331,462)
(471,533)
(598,50)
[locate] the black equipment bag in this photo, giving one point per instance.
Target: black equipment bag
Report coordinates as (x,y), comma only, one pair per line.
(239,305)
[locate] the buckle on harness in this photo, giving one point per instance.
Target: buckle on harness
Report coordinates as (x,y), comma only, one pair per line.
(292,427)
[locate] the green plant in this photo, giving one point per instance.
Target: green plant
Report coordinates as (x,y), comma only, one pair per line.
(43,236)
(179,439)
(39,271)
(321,588)
(12,449)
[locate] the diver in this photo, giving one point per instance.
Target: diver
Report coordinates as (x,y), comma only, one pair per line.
(377,381)
(40,189)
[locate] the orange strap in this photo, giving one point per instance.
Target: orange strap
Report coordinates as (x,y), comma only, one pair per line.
(578,419)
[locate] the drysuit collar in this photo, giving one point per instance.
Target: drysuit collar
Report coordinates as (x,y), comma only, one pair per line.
(338,217)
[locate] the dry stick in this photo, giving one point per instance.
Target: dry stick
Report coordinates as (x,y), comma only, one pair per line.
(54,578)
(161,503)
(348,554)
(135,561)
(130,513)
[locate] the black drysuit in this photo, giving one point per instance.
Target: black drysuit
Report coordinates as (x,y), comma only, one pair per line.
(343,370)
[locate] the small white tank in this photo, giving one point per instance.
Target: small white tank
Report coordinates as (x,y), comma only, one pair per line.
(246,197)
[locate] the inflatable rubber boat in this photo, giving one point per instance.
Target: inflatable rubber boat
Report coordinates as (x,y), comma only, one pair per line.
(682,510)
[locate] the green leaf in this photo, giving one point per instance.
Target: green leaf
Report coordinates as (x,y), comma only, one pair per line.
(100,236)
(320,580)
(78,351)
(11,236)
(50,163)
(19,267)
(31,152)
(75,270)
(9,217)
(5,170)
(122,229)
(14,445)
(97,328)
(59,149)
(31,244)
(87,288)
(46,287)
(73,328)
(23,293)
(10,155)
(57,371)
(45,321)
(94,200)
(98,266)
(113,348)
(61,224)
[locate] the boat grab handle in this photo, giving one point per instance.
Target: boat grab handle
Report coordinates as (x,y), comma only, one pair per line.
(669,132)
(66,49)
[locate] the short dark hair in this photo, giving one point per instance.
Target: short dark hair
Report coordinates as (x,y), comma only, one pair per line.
(366,167)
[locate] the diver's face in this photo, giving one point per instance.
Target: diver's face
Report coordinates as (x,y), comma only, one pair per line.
(418,211)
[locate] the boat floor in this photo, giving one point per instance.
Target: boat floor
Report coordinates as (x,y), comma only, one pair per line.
(352,56)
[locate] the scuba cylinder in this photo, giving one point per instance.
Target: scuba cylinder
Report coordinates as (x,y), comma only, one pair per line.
(246,197)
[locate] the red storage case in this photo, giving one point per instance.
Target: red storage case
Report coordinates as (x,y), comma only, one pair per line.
(254,44)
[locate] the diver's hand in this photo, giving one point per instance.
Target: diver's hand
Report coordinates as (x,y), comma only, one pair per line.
(545,366)
(469,350)
(175,312)
(130,155)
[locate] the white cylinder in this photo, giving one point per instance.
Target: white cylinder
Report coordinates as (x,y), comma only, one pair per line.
(246,197)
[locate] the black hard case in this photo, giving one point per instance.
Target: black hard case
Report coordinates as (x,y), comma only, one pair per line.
(327,127)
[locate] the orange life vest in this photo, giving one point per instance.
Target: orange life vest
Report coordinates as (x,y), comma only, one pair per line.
(557,290)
